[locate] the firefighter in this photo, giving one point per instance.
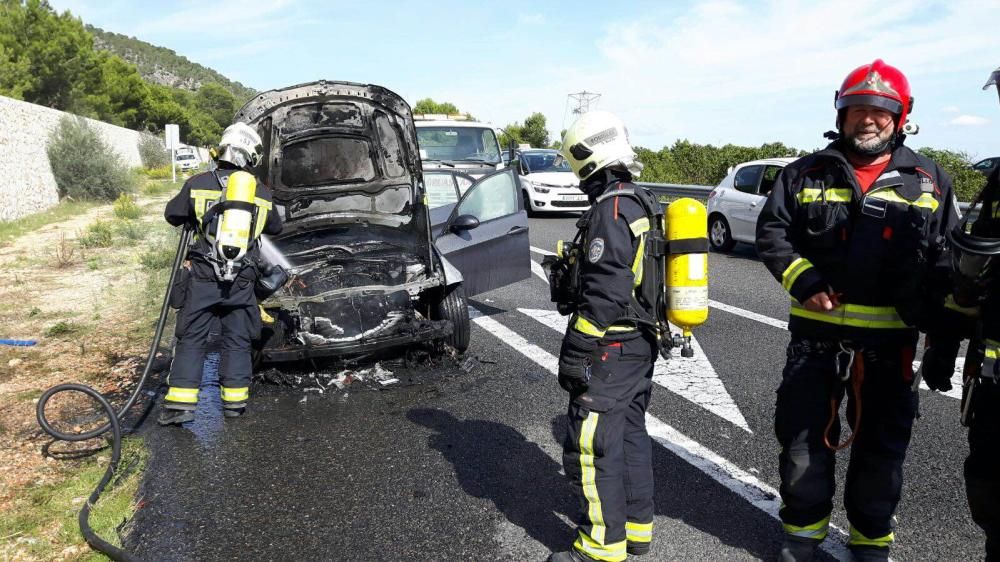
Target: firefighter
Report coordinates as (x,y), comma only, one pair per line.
(975,315)
(229,210)
(607,354)
(855,234)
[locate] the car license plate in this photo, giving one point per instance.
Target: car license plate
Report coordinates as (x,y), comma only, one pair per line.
(574,197)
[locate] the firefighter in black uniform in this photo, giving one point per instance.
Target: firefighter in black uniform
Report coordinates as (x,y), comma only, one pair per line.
(855,234)
(606,360)
(217,286)
(975,315)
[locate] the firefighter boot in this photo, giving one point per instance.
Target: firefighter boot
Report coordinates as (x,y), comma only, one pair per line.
(797,549)
(637,548)
(870,553)
(234,410)
(571,555)
(176,414)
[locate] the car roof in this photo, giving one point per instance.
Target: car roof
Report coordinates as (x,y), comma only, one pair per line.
(783,161)
(446,123)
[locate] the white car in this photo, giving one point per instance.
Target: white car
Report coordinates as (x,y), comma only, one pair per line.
(548,183)
(735,204)
(187,162)
(452,144)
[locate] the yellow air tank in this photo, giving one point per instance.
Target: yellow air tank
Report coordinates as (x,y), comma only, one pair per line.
(687,266)
(234,232)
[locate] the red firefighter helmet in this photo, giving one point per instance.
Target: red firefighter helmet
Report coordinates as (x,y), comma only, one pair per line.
(877,84)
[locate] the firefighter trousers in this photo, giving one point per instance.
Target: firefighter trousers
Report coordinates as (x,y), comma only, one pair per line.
(875,470)
(208,303)
(982,467)
(607,453)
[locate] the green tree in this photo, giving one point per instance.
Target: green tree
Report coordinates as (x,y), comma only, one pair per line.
(511,133)
(216,102)
(43,55)
(534,131)
(965,181)
(84,166)
(427,105)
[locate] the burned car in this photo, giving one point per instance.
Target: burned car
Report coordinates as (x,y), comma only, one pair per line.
(370,268)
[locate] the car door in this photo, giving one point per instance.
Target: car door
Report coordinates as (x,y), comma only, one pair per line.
(494,252)
(767,180)
(743,220)
(444,188)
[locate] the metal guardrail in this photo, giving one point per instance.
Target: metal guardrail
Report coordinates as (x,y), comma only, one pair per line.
(701,192)
(661,190)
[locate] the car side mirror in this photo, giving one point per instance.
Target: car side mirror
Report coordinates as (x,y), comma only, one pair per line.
(464,222)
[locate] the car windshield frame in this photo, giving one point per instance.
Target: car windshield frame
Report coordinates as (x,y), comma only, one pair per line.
(447,143)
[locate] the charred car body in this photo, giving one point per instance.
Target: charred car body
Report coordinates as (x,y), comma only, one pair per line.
(343,164)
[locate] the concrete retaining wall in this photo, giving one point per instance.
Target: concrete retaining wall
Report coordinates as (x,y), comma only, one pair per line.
(26,182)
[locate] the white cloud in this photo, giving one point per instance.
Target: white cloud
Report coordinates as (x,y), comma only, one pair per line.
(950,109)
(969,121)
(531,19)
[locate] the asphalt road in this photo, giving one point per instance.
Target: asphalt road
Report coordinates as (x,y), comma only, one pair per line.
(455,463)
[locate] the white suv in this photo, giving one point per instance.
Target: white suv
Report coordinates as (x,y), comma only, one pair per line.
(733,206)
(548,183)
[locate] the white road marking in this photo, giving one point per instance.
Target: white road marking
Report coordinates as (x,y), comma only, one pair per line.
(749,315)
(539,271)
(541,251)
(742,483)
(956,379)
(693,379)
(512,338)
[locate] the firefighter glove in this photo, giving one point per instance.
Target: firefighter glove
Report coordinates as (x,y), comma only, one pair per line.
(938,363)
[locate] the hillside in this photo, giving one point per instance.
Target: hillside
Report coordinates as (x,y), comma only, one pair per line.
(163,66)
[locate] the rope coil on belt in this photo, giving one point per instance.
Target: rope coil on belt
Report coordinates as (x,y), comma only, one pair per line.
(854,371)
(114,418)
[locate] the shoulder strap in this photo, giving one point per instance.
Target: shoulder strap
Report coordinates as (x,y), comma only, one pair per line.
(645,199)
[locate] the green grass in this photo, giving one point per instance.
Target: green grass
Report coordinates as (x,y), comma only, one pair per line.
(154,188)
(39,508)
(26,395)
(97,235)
(61,328)
(126,208)
(129,232)
(65,210)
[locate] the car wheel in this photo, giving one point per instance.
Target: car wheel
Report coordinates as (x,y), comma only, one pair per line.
(455,307)
(719,234)
(527,203)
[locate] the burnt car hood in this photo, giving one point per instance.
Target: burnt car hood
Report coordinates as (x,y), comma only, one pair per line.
(342,158)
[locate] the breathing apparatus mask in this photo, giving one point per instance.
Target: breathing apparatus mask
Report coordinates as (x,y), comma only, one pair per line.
(975,260)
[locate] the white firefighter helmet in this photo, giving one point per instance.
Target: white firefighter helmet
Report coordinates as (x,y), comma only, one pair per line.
(240,146)
(598,140)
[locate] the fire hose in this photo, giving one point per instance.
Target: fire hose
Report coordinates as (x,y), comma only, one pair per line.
(114,418)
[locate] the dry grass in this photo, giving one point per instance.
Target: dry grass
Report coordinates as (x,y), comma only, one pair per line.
(91,315)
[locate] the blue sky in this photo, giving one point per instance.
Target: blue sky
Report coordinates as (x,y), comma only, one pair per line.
(716,72)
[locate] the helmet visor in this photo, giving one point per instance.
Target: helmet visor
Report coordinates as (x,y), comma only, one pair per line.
(881,102)
(235,156)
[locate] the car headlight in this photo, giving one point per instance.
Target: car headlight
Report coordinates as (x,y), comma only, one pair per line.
(539,189)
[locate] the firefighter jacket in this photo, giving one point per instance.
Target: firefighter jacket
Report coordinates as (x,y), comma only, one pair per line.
(612,265)
(987,225)
(881,252)
(197,195)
